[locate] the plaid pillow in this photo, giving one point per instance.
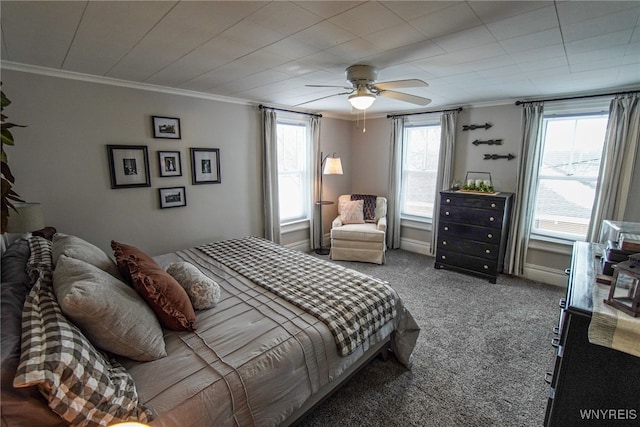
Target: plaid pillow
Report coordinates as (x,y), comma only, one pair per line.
(79,383)
(369,205)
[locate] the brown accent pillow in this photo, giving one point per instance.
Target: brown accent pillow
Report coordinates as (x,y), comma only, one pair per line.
(168,300)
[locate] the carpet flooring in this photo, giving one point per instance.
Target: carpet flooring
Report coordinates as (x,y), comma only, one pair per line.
(480,359)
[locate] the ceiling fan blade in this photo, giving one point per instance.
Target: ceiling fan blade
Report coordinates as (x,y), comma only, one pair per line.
(397,84)
(413,99)
(342,87)
(324,97)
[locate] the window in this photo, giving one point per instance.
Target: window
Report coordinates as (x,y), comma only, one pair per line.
(420,169)
(568,174)
(294,183)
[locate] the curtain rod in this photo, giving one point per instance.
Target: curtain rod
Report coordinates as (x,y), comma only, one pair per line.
(577,97)
(393,116)
(263,107)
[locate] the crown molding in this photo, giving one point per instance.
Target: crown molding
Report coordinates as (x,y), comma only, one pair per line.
(72,75)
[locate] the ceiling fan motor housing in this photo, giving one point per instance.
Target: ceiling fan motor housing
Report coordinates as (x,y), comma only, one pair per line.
(361,74)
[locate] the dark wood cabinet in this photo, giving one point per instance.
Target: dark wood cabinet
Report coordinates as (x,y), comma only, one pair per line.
(589,384)
(472,232)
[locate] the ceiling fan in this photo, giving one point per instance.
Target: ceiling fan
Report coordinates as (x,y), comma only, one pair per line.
(364,89)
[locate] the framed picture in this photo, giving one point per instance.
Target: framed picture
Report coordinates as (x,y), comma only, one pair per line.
(205,165)
(129,166)
(173,197)
(166,127)
(169,163)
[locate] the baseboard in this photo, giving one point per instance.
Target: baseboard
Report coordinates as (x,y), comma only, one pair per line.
(542,274)
(417,246)
(302,246)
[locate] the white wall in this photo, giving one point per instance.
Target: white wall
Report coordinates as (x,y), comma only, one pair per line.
(60,160)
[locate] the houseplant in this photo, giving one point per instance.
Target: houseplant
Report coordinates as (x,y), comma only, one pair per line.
(8,194)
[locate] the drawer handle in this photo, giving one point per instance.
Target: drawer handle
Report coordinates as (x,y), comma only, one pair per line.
(447,213)
(444,243)
(567,271)
(556,330)
(490,236)
(487,251)
(486,267)
(443,257)
(491,219)
(493,205)
(446,229)
(448,200)
(548,377)
(563,303)
(555,342)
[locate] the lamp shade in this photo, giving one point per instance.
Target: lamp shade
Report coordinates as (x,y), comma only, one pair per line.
(28,218)
(332,166)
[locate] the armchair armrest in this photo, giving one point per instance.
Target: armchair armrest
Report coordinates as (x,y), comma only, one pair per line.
(382,224)
(336,222)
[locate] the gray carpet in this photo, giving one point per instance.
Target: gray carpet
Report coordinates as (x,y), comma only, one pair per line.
(480,359)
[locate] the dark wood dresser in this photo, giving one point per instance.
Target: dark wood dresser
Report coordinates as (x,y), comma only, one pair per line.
(588,380)
(472,232)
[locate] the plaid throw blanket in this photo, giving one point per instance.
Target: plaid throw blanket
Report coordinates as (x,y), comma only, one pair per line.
(352,305)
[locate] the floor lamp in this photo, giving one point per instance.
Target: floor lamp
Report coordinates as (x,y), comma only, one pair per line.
(329,165)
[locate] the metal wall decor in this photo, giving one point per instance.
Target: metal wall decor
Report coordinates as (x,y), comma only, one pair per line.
(488,142)
(474,127)
(498,156)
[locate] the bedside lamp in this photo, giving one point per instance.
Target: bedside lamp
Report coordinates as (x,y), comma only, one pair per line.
(624,293)
(26,218)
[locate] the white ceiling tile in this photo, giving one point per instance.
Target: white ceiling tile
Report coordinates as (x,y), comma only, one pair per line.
(599,42)
(396,36)
(415,9)
(540,40)
(324,35)
(355,50)
(404,54)
(327,9)
(365,19)
(284,17)
(534,21)
(543,64)
(291,48)
(492,11)
(252,34)
(472,37)
(539,54)
(445,21)
(39,33)
(571,12)
(600,26)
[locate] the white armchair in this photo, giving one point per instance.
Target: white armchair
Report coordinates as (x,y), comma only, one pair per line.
(355,238)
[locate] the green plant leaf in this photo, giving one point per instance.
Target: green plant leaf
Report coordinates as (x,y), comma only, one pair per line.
(7,137)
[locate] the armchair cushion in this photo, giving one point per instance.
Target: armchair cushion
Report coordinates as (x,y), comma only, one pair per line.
(368,207)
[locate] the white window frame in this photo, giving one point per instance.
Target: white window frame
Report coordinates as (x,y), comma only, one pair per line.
(563,112)
(306,186)
(419,123)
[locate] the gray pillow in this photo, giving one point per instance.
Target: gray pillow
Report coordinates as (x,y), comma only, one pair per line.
(75,247)
(203,292)
(109,312)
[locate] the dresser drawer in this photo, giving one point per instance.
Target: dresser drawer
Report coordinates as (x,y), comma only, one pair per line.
(479,249)
(467,215)
(472,201)
(467,262)
(448,229)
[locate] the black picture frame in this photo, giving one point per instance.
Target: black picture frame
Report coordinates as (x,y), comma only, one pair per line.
(169,163)
(172,197)
(129,166)
(205,166)
(166,127)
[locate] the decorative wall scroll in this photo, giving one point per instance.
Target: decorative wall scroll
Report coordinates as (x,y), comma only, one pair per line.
(499,156)
(474,127)
(488,142)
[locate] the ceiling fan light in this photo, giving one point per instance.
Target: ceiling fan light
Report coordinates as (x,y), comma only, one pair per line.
(361,101)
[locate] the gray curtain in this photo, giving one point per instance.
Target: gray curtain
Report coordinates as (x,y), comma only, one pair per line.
(315,227)
(395,183)
(445,168)
(616,167)
(528,167)
(270,176)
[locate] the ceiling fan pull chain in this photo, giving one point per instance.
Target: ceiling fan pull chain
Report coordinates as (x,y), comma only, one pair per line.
(364,121)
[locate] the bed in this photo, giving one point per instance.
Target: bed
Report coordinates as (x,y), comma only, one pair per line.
(264,354)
